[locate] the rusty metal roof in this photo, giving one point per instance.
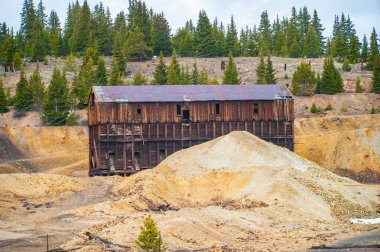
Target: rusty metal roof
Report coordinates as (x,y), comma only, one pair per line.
(180,93)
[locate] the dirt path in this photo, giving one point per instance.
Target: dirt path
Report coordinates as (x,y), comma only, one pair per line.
(44,216)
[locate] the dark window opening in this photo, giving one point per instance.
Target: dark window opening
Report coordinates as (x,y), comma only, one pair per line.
(179,108)
(111,161)
(256,108)
(217,108)
(138,110)
(162,154)
(186,115)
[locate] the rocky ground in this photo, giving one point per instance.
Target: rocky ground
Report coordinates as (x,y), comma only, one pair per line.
(212,196)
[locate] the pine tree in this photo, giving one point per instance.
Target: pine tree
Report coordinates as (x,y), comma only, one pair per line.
(261,70)
(376,75)
(54,35)
(101,73)
(117,51)
(353,48)
(331,81)
(70,64)
(303,82)
(23,100)
(316,23)
(311,46)
(232,42)
(160,35)
(55,107)
(102,29)
(294,50)
(203,77)
(195,74)
(185,76)
(183,42)
(161,72)
(3,99)
(82,85)
(149,238)
(139,16)
(204,41)
(139,79)
(364,52)
(358,86)
(82,34)
(373,49)
(339,46)
(270,77)
(37,88)
(135,46)
(174,70)
(346,65)
(17,61)
(231,74)
(115,78)
(265,33)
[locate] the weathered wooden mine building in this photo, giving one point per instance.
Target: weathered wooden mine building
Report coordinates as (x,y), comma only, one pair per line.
(135,127)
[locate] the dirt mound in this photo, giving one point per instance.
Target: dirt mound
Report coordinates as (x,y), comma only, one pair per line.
(347,145)
(240,166)
(37,185)
(42,149)
(235,191)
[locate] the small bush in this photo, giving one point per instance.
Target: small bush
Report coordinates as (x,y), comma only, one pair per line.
(314,108)
(344,109)
(45,61)
(346,65)
(72,120)
(328,107)
(149,237)
(286,76)
(373,110)
(358,87)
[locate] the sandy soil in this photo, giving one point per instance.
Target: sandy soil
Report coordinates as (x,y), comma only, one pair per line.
(59,150)
(348,145)
(223,194)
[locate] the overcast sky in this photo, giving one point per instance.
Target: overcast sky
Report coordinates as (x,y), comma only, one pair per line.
(365,14)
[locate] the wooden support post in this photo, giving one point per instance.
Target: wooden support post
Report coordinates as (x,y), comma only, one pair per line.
(149,143)
(166,131)
(206,129)
(229,126)
(269,128)
(198,130)
(254,127)
(157,131)
(124,149)
(213,129)
(261,128)
(173,131)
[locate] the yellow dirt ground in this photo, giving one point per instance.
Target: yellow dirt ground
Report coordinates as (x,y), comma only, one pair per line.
(345,145)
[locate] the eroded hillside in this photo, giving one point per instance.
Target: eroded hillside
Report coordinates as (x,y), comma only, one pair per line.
(346,145)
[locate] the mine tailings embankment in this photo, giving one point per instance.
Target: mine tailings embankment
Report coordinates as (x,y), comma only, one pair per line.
(61,150)
(346,145)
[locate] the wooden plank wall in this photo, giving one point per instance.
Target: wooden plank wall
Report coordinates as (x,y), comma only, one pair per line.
(199,111)
(152,142)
